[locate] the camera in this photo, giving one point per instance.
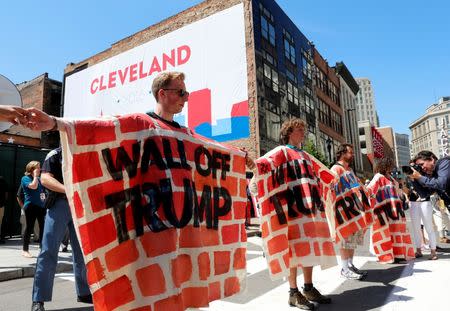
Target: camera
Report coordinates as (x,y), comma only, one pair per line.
(407,169)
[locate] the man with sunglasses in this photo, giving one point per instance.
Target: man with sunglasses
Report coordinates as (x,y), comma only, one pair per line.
(436,177)
(170,93)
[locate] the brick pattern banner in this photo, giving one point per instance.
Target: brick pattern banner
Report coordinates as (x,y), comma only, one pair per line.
(352,205)
(159,213)
(293,188)
(390,235)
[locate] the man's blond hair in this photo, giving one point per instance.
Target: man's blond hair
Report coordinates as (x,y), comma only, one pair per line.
(288,127)
(163,80)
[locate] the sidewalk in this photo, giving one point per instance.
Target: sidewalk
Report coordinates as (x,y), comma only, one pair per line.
(14,266)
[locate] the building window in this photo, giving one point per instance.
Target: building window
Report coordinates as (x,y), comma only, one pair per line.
(307,66)
(333,93)
(361,131)
(267,25)
(289,48)
(292,93)
(273,121)
(336,121)
(309,104)
(324,113)
(270,77)
(291,76)
(321,80)
(268,57)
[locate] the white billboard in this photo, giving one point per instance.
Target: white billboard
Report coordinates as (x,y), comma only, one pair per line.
(212,54)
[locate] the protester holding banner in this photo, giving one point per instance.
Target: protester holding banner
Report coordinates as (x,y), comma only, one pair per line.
(391,241)
(351,213)
(57,221)
(160,212)
(291,185)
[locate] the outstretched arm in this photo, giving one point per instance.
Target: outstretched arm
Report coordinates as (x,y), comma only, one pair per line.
(15,115)
(40,121)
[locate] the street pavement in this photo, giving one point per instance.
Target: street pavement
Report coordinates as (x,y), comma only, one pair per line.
(418,285)
(13,265)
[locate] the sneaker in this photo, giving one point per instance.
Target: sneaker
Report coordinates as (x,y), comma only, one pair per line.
(357,271)
(315,296)
(85,298)
(64,249)
(351,275)
(299,301)
(37,306)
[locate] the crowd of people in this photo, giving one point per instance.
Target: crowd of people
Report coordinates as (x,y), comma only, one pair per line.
(424,193)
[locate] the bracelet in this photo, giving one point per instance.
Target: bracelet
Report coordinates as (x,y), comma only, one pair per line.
(55,127)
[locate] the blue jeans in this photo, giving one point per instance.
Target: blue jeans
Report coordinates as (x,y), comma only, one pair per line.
(57,220)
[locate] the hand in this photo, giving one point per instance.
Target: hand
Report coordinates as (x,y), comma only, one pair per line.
(39,120)
(248,160)
(415,174)
(36,172)
(15,115)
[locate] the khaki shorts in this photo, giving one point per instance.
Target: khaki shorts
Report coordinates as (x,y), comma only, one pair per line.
(353,241)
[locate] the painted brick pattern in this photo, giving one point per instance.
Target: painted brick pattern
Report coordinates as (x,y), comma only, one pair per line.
(353,208)
(160,214)
(390,235)
(293,192)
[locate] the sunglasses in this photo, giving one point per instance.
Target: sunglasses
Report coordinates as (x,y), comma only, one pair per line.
(181,92)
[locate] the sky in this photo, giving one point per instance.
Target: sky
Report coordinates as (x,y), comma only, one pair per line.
(402,46)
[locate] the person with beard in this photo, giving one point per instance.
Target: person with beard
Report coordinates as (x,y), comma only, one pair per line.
(341,168)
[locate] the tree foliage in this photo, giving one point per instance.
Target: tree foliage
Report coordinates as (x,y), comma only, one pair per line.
(311,148)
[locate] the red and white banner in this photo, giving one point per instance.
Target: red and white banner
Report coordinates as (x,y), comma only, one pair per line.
(159,213)
(377,143)
(293,188)
(352,207)
(390,235)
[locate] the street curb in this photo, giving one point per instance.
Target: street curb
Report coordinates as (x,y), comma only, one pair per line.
(28,272)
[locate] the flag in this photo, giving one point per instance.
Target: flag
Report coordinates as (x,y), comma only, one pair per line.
(377,142)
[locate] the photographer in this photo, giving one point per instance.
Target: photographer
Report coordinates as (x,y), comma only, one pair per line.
(434,175)
(421,211)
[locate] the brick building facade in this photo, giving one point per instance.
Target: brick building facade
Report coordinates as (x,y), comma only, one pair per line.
(327,88)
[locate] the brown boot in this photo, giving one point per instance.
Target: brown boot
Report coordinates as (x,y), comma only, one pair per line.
(299,301)
(315,296)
